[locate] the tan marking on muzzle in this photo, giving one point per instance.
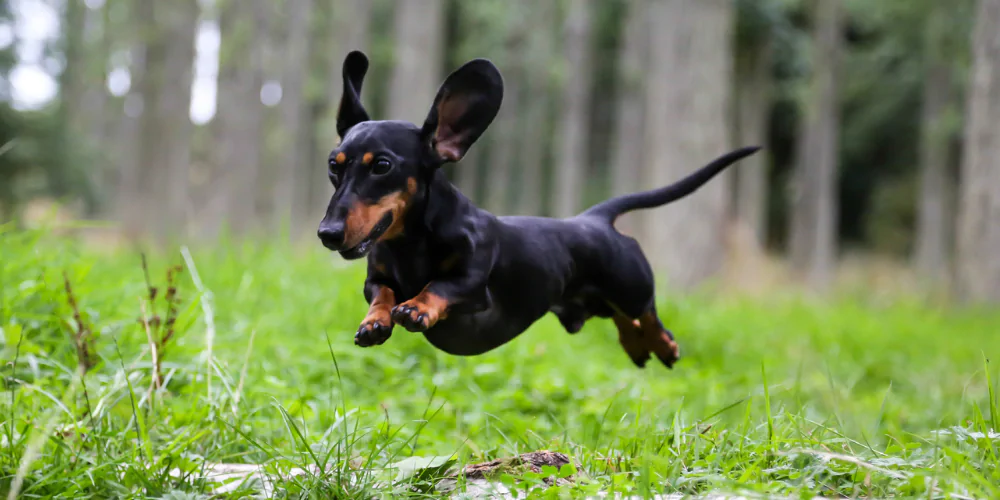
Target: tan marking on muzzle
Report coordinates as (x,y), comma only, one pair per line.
(362,218)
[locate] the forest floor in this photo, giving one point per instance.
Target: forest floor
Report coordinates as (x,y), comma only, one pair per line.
(857,395)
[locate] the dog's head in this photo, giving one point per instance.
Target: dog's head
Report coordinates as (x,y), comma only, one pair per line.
(380,167)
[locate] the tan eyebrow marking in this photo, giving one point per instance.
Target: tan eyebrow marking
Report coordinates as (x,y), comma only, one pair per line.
(367,158)
(340,158)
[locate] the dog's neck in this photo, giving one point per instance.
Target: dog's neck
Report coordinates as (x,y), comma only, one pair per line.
(440,214)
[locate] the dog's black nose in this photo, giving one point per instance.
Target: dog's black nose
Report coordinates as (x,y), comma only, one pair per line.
(332,235)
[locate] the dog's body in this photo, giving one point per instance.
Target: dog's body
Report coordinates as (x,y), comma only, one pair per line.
(469,280)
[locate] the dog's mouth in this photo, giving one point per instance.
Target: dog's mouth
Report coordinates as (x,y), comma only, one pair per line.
(362,249)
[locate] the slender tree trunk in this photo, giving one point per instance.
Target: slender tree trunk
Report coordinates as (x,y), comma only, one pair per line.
(504,136)
(96,123)
(72,89)
(629,146)
(814,204)
(500,167)
(73,81)
(175,107)
(469,172)
(165,124)
(99,35)
(978,268)
(238,128)
(130,203)
(535,119)
(295,163)
(351,21)
(687,125)
(753,99)
(571,163)
(82,104)
(934,214)
(418,58)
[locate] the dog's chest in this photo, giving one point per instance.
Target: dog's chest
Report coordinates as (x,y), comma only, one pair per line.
(412,269)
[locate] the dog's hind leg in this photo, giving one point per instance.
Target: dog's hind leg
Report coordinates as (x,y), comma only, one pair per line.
(627,287)
(657,339)
(645,335)
(630,337)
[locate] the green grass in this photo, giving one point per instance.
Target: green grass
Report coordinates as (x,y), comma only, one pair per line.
(853,396)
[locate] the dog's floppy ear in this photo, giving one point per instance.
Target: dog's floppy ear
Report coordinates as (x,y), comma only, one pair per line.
(466,104)
(351,111)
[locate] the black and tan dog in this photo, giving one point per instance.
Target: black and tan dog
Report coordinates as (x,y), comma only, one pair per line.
(469,280)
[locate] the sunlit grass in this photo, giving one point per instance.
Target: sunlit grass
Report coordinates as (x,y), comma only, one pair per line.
(774,395)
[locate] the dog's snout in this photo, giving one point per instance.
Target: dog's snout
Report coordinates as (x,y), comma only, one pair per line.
(331,234)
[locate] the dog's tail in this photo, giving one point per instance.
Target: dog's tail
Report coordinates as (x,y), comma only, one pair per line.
(611,209)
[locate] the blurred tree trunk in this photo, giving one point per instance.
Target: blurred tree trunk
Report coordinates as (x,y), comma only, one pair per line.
(814,204)
(295,163)
(238,130)
(753,105)
(99,36)
(571,162)
(629,147)
(165,124)
(351,21)
(72,87)
(129,202)
(504,136)
(469,171)
(418,58)
(96,102)
(934,217)
(534,120)
(688,90)
(978,267)
(175,106)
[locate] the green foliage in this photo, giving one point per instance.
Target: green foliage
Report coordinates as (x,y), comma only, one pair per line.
(760,21)
(862,397)
(883,70)
(29,156)
(891,224)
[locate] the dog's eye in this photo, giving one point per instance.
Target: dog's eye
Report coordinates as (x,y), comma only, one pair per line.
(381,166)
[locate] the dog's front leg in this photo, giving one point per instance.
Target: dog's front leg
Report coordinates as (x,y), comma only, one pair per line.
(465,293)
(377,325)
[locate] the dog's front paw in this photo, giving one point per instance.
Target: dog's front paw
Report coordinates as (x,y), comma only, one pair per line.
(414,316)
(373,332)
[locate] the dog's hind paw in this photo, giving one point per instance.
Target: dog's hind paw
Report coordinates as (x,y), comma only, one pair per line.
(372,332)
(665,348)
